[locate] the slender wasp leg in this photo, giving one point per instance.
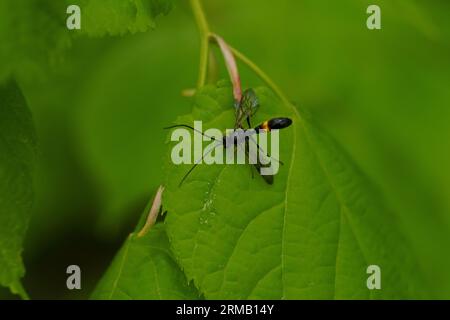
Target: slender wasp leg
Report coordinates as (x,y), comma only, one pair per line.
(263,151)
(257,165)
(204,154)
(187,174)
(198,162)
(249,122)
(248,156)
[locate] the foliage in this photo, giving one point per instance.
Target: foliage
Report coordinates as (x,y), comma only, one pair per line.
(33,33)
(310,235)
(17,161)
(375,193)
(118,17)
(145,269)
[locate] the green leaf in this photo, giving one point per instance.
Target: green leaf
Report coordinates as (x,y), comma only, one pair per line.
(144,268)
(17,158)
(34,35)
(311,235)
(118,17)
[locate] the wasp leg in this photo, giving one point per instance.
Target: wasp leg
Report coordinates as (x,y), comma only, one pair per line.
(264,152)
(249,122)
(251,172)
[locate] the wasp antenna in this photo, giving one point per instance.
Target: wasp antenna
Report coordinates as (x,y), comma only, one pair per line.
(189,127)
(178,126)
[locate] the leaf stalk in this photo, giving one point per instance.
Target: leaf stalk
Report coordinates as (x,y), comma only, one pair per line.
(203,28)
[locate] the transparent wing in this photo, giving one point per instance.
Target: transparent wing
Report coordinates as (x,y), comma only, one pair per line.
(247,108)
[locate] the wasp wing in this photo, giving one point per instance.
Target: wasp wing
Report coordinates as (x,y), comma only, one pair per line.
(247,107)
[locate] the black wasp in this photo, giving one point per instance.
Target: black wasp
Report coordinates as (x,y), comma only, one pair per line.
(245,109)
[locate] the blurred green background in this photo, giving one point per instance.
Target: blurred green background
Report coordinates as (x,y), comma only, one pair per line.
(99,112)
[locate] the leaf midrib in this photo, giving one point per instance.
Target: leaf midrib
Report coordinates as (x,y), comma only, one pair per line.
(283,231)
(343,206)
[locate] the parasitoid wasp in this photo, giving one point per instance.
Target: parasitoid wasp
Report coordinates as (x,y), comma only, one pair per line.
(244,110)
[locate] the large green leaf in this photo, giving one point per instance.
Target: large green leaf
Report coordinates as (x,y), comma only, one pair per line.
(144,268)
(397,133)
(17,158)
(310,235)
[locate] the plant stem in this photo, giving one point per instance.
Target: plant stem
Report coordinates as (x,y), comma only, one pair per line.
(261,74)
(213,68)
(206,36)
(204,41)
